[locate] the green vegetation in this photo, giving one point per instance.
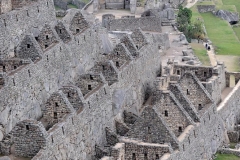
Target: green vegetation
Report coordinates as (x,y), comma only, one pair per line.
(232,145)
(226,157)
(232,2)
(192,30)
(221,34)
(237,31)
(72,6)
(225,38)
(57,8)
(201,53)
(231,62)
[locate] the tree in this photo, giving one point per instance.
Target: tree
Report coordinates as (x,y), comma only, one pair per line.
(190,30)
(185,13)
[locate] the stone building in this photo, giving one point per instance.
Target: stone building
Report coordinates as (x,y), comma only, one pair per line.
(29,136)
(74,100)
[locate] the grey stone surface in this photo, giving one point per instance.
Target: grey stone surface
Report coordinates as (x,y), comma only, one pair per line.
(231,17)
(75,99)
(205,8)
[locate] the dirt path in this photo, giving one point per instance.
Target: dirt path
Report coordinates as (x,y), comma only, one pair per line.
(211,55)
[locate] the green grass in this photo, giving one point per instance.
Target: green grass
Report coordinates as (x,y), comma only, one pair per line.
(201,53)
(237,31)
(221,34)
(72,6)
(57,8)
(232,2)
(232,145)
(226,157)
(205,3)
(195,13)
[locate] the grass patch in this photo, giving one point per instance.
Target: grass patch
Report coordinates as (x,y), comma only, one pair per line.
(205,3)
(195,13)
(72,6)
(57,8)
(232,2)
(231,8)
(232,145)
(221,34)
(226,157)
(231,62)
(201,53)
(237,31)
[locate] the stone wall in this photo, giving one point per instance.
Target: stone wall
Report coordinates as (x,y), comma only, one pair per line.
(29,137)
(196,93)
(202,73)
(202,141)
(6,6)
(205,8)
(172,111)
(229,151)
(61,4)
(151,128)
(60,64)
(145,23)
(16,23)
(236,76)
(142,151)
(115,4)
(228,109)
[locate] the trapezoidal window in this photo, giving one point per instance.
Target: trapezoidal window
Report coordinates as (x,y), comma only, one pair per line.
(149,130)
(145,156)
(27,127)
(180,129)
(91,77)
(200,107)
(133,156)
(4,68)
(55,115)
(56,104)
(205,74)
(28,45)
(178,72)
(117,64)
(47,37)
(89,87)
(166,113)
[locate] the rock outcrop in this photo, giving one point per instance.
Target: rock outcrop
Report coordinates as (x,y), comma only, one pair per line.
(231,17)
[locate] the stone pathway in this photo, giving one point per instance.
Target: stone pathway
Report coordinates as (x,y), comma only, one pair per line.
(211,55)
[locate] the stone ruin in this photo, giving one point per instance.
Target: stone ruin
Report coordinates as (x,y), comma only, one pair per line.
(65,96)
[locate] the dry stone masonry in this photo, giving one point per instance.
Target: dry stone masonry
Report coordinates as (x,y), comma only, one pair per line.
(77,88)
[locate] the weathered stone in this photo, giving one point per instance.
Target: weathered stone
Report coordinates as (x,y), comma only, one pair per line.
(231,17)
